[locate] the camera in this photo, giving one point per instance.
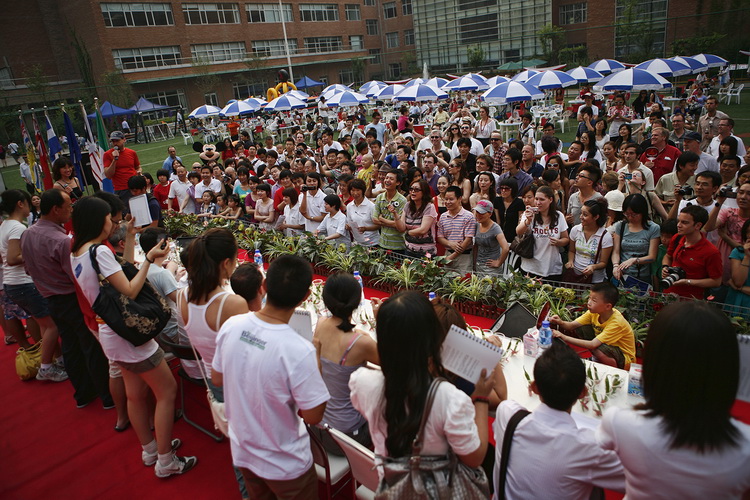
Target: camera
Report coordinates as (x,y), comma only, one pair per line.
(674,274)
(395,204)
(727,192)
(685,191)
(300,152)
(304,188)
(628,177)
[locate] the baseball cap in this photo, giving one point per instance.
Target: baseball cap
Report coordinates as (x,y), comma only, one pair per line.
(385,168)
(614,200)
(587,94)
(692,136)
(116,135)
(484,207)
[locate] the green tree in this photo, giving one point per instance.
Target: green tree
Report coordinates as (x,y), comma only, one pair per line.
(85,66)
(697,44)
(550,37)
(205,80)
(37,81)
(358,69)
(635,33)
(574,56)
(475,56)
(117,88)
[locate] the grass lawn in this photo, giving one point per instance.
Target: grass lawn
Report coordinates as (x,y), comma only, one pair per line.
(152,155)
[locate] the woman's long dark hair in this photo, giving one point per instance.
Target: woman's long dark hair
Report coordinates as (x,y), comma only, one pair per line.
(549,193)
(11,198)
(89,215)
(692,345)
(638,204)
(424,187)
(492,192)
(341,295)
(409,339)
(733,145)
(205,255)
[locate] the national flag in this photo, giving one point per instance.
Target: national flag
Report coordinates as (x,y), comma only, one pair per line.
(42,150)
(74,148)
(96,149)
(36,171)
(55,148)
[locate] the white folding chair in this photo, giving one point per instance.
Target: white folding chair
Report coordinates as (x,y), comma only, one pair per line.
(362,463)
(187,137)
(724,92)
(562,122)
(331,469)
(735,92)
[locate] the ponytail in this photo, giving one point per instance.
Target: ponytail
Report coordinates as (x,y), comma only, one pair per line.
(205,255)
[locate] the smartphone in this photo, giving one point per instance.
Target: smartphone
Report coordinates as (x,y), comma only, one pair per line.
(164,244)
(628,177)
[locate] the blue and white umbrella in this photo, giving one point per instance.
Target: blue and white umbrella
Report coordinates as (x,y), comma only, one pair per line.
(256,103)
(237,108)
(437,82)
(551,80)
(371,87)
(524,75)
(695,65)
(346,98)
(511,92)
(285,103)
(711,60)
(414,81)
(496,80)
(421,93)
(633,79)
(302,96)
(607,66)
(585,74)
(331,90)
(387,93)
(204,111)
(476,77)
(665,67)
(465,83)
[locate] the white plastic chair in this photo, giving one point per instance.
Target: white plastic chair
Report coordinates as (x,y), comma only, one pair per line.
(362,463)
(187,137)
(735,92)
(724,92)
(562,122)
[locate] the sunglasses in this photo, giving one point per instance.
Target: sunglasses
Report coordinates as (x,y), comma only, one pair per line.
(414,189)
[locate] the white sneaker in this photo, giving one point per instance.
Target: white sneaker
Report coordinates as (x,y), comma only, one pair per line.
(179,465)
(54,374)
(59,362)
(150,459)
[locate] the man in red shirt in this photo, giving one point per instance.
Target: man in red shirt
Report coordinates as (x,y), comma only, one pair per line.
(120,164)
(664,161)
(691,251)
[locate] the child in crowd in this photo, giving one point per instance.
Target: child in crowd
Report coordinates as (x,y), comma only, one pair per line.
(221,203)
(614,341)
(668,229)
(194,178)
(247,282)
(233,209)
(208,208)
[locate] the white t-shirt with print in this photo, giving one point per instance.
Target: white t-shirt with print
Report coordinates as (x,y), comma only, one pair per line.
(12,275)
(314,208)
(361,216)
(546,260)
(335,224)
(586,251)
(270,372)
(115,347)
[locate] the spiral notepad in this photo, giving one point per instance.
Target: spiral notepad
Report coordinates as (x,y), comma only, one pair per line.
(743,392)
(466,354)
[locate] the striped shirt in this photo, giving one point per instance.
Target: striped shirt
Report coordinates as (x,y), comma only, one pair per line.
(456,227)
(390,237)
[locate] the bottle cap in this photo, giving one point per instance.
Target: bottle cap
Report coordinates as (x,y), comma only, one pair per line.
(356,274)
(545,324)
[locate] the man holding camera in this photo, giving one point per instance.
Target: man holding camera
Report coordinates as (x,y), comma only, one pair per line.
(692,263)
(706,185)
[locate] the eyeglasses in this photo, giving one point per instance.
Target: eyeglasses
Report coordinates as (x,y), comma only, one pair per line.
(453,129)
(504,188)
(414,189)
(435,137)
(579,176)
(465,127)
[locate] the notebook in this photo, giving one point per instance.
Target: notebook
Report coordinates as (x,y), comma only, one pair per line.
(466,355)
(301,322)
(743,392)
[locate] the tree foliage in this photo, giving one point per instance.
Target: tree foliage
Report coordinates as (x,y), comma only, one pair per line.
(117,88)
(475,56)
(550,37)
(206,80)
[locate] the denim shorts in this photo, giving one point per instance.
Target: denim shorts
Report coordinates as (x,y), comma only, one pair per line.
(29,299)
(146,365)
(11,310)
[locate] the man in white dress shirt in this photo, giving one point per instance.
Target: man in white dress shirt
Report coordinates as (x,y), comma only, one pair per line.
(551,456)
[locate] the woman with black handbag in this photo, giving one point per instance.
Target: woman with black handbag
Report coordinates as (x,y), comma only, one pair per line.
(143,366)
(406,400)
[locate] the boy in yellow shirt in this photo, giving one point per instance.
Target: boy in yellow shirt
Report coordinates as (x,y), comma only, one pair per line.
(614,341)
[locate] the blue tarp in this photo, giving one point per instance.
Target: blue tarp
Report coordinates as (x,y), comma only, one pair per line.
(306,82)
(109,110)
(144,106)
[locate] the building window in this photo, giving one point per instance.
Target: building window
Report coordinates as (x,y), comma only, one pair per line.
(483,28)
(319,12)
(475,4)
(346,77)
(215,52)
(408,37)
(574,13)
(244,90)
(370,2)
(273,48)
(324,80)
(169,98)
(372,26)
(406,7)
(375,56)
(211,13)
(352,12)
(512,55)
(391,40)
(137,14)
(394,71)
(147,57)
(640,27)
(389,10)
(211,98)
(268,13)
(323,44)
(357,42)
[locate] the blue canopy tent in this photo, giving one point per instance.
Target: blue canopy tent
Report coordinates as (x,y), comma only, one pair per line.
(306,82)
(144,106)
(109,110)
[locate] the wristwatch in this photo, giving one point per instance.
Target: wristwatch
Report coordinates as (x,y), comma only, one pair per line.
(690,283)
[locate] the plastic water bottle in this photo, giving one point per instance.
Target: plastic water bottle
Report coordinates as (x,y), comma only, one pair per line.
(545,335)
(361,286)
(432,296)
(258,259)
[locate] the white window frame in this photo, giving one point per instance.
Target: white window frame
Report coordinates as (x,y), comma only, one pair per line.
(320,44)
(269,13)
(353,12)
(273,48)
(218,52)
(376,56)
(203,10)
(372,23)
(574,13)
(318,12)
(406,7)
(389,8)
(172,53)
(409,37)
(391,40)
(129,10)
(356,42)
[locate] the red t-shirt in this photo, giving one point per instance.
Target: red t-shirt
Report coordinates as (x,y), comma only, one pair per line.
(699,261)
(127,166)
(161,193)
(233,128)
(664,162)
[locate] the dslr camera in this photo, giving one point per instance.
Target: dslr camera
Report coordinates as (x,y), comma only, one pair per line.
(685,191)
(306,188)
(727,192)
(674,274)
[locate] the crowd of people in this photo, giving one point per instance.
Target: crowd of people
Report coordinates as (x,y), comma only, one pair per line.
(457,191)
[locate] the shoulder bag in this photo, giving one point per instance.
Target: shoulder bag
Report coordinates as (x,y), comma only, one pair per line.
(505,458)
(136,320)
(523,245)
(28,361)
(436,477)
